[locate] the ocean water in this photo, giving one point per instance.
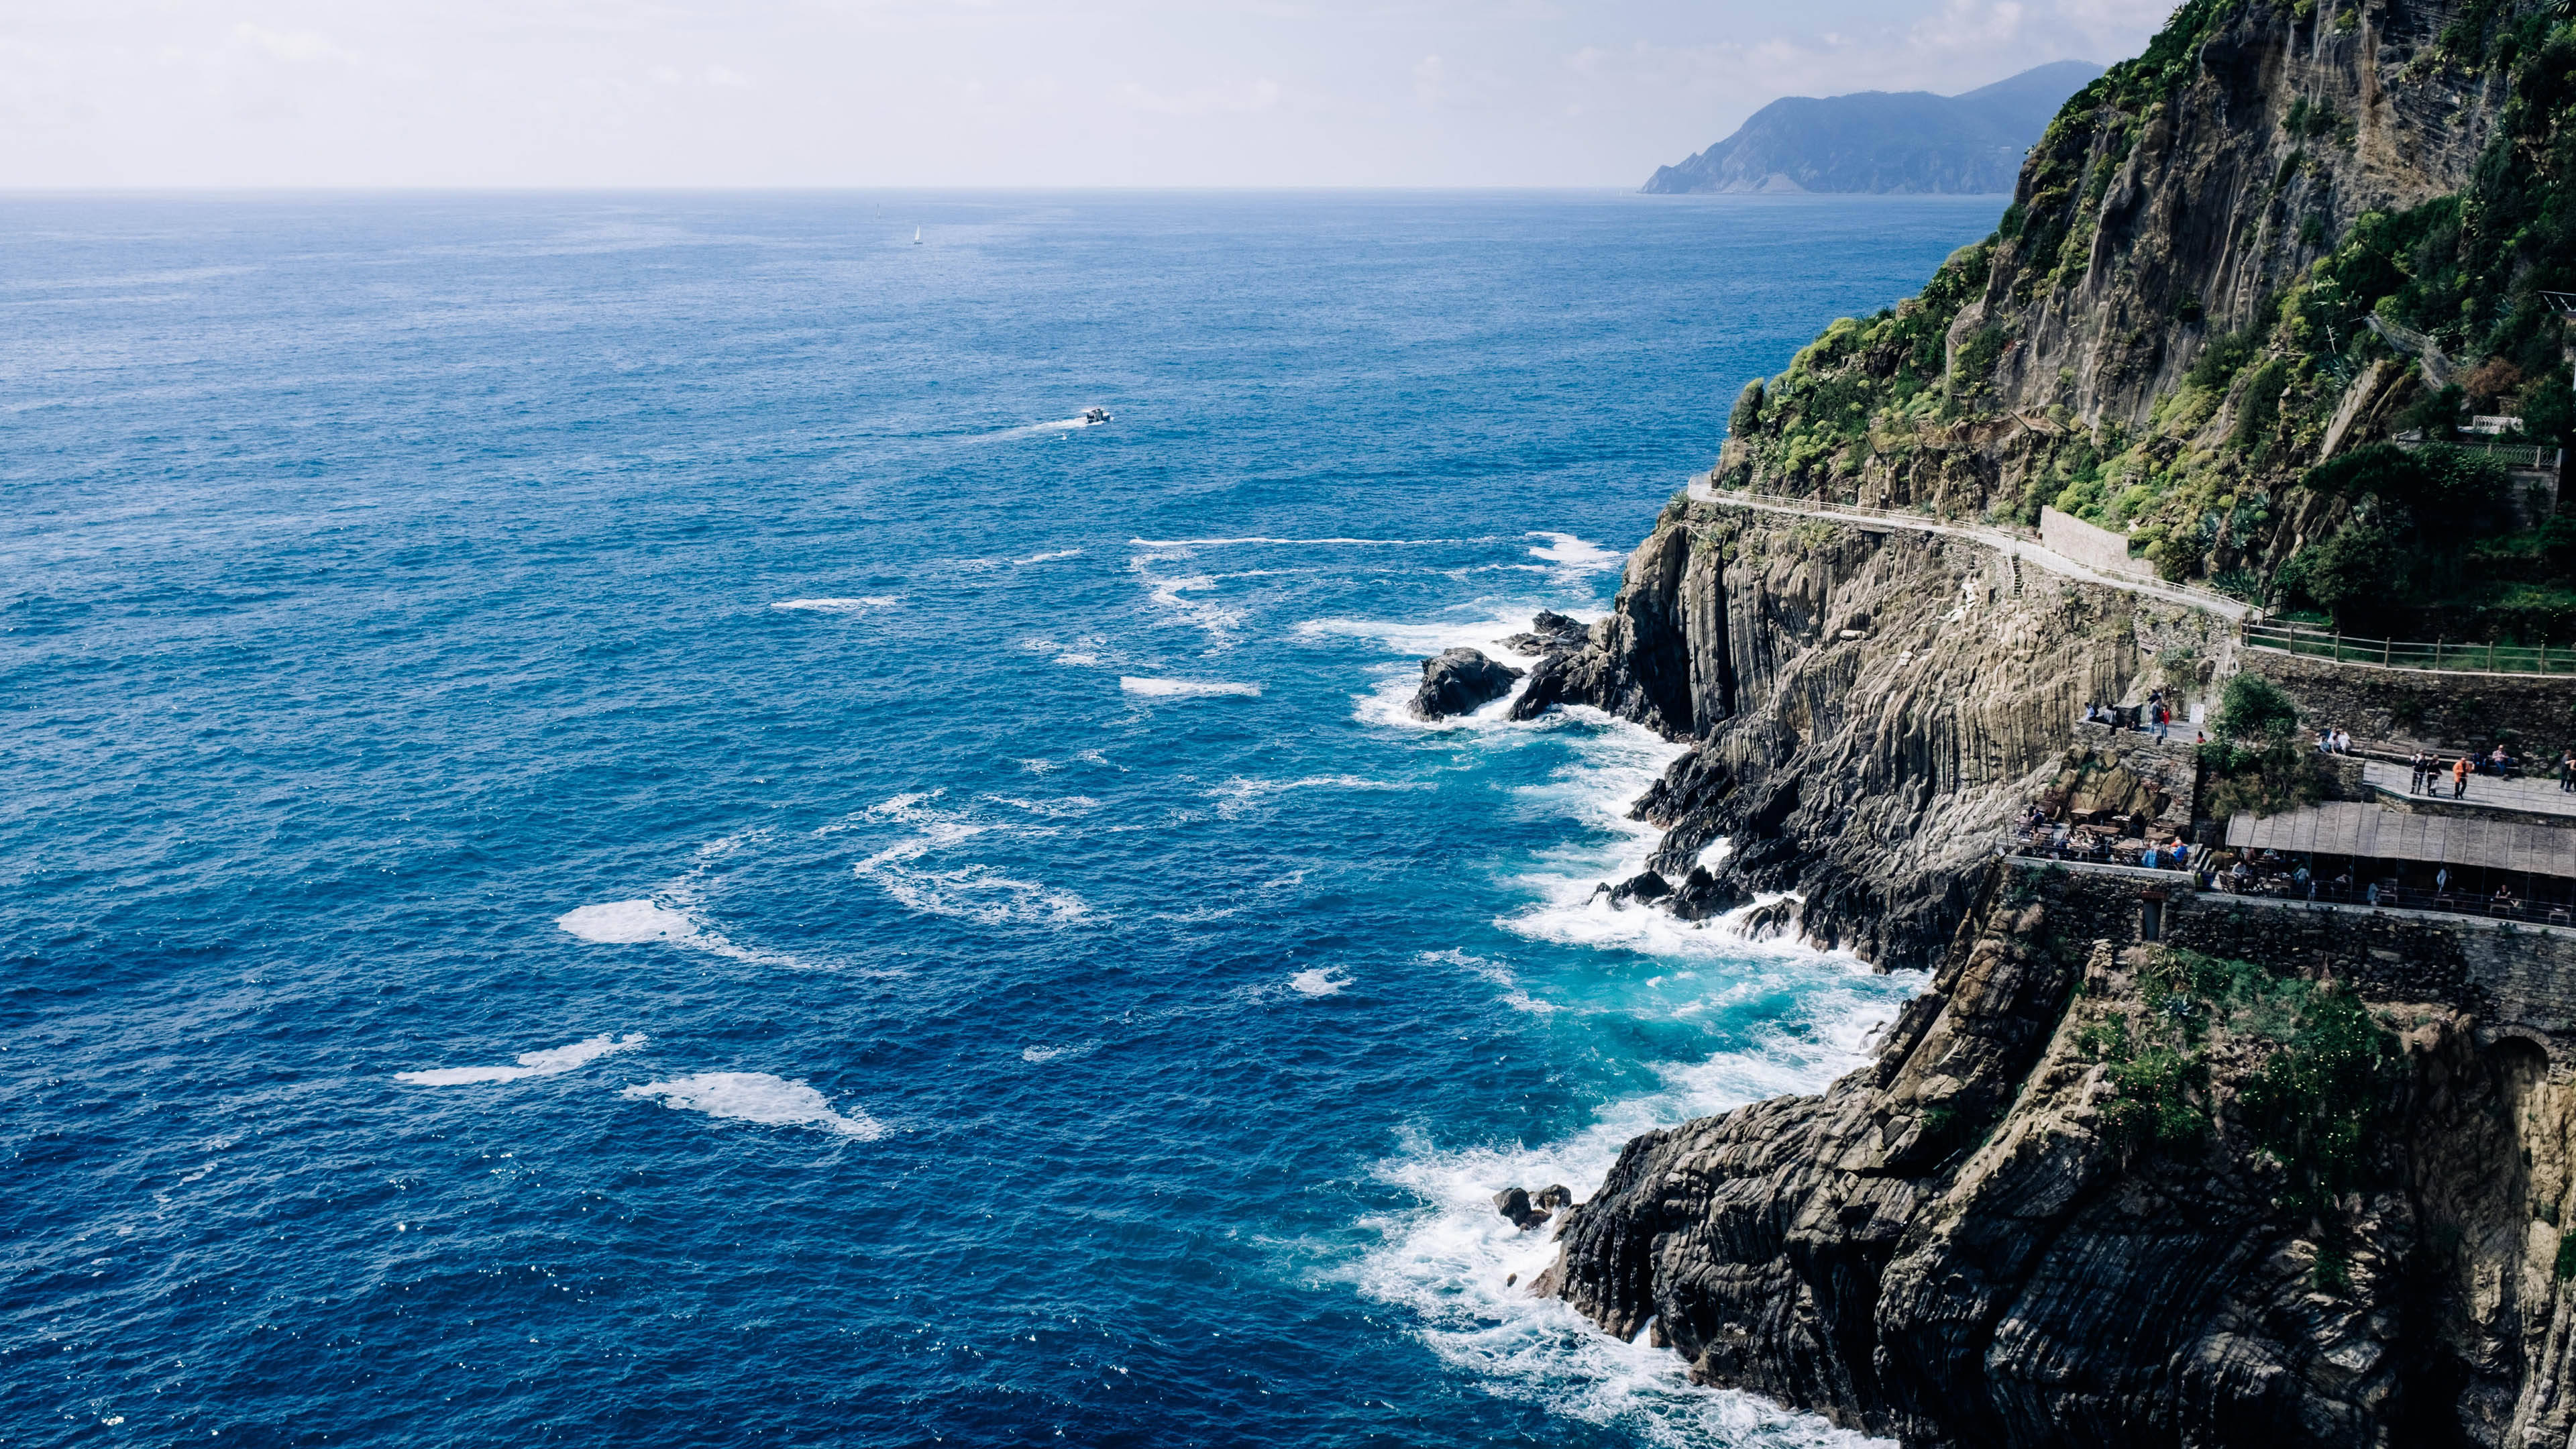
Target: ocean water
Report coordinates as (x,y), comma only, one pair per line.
(619,831)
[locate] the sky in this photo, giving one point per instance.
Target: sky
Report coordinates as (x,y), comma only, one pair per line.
(962,93)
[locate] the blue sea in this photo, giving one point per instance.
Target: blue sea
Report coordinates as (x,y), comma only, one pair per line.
(620,831)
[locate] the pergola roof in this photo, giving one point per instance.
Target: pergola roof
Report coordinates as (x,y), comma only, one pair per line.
(2373,832)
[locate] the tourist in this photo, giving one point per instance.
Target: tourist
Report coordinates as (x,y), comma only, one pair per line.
(2442,882)
(2567,771)
(2374,892)
(2343,742)
(2325,742)
(2460,777)
(2497,764)
(2503,902)
(2164,717)
(2421,767)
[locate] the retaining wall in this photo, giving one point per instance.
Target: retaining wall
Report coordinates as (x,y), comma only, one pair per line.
(2516,980)
(2460,711)
(2088,545)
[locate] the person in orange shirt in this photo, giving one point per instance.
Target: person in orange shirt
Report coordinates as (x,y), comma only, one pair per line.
(2459,777)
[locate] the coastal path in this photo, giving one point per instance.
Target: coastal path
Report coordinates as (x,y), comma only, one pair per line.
(2527,796)
(2011,545)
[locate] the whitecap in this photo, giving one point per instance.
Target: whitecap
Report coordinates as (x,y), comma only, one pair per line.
(1041,1055)
(1039,558)
(670,915)
(628,922)
(1319,981)
(1186,688)
(1240,793)
(1574,557)
(757,1097)
(840,606)
(530,1064)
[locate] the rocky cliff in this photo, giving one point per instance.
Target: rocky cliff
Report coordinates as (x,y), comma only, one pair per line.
(2283,1192)
(2123,1196)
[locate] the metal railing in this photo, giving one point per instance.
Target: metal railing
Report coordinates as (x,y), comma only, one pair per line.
(2528,457)
(2438,655)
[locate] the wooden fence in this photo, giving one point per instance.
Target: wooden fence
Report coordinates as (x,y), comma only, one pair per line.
(2456,656)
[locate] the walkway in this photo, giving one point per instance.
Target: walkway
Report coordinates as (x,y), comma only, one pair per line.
(1995,538)
(2531,797)
(2281,903)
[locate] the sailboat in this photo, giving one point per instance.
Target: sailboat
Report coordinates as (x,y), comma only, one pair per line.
(916,236)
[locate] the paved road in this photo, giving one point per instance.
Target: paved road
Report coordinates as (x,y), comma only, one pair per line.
(2537,797)
(1995,538)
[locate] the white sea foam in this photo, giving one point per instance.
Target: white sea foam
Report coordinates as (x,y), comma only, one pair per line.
(1239,794)
(1041,1055)
(857,605)
(530,1064)
(757,1097)
(1347,542)
(1414,638)
(1494,971)
(1574,558)
(1049,557)
(1389,702)
(1218,621)
(970,892)
(671,914)
(1452,1259)
(1318,981)
(1186,688)
(628,922)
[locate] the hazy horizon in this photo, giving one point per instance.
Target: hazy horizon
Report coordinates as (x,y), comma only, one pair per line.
(128,95)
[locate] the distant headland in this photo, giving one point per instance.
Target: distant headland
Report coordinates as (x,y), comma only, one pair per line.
(1885,141)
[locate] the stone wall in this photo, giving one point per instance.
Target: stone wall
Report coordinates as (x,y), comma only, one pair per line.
(2456,711)
(2088,545)
(2516,980)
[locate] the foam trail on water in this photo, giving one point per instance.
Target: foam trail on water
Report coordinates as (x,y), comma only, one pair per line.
(757,1097)
(1186,688)
(973,891)
(530,1064)
(858,605)
(1344,542)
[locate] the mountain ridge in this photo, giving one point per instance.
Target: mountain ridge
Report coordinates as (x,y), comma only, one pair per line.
(1884,141)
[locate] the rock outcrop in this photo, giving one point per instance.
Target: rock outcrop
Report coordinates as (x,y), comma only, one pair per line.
(1461,681)
(2096,1189)
(1987,1239)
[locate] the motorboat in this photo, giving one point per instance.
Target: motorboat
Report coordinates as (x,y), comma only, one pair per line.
(1092,417)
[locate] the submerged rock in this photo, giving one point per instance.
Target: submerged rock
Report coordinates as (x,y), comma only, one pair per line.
(1461,681)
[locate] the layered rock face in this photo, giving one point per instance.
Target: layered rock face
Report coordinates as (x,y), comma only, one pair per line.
(2094,1191)
(1868,710)
(1987,1239)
